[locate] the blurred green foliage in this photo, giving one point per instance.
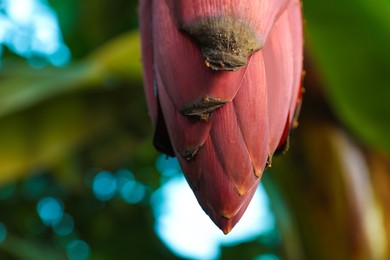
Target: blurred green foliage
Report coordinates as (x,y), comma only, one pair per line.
(349,42)
(88,24)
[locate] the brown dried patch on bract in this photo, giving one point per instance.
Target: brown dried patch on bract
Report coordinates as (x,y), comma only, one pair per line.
(298,107)
(268,163)
(257,172)
(202,108)
(190,152)
(226,42)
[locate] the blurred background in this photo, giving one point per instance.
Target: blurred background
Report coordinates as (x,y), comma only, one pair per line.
(79,178)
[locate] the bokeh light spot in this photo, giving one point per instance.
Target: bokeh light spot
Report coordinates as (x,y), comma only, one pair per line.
(65,226)
(3,232)
(20,44)
(187,230)
(123,176)
(50,210)
(19,10)
(133,192)
(104,186)
(61,56)
(30,28)
(78,250)
(129,189)
(168,166)
(267,257)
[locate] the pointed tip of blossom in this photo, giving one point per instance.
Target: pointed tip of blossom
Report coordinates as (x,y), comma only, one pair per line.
(226,220)
(226,230)
(223,223)
(226,225)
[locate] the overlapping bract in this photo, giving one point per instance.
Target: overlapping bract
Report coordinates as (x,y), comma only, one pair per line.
(222,118)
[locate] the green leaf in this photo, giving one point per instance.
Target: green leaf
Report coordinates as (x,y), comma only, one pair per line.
(349,42)
(47,114)
(117,60)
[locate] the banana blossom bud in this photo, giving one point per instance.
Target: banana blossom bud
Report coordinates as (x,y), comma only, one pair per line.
(223,86)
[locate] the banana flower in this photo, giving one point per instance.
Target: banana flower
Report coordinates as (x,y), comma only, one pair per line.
(223,86)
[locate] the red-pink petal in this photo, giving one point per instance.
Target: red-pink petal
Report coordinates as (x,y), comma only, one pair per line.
(222,125)
(182,67)
(187,134)
(294,11)
(260,14)
(280,78)
(250,106)
(283,55)
(226,170)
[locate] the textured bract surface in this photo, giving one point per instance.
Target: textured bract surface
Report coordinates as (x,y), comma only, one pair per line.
(225,42)
(222,81)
